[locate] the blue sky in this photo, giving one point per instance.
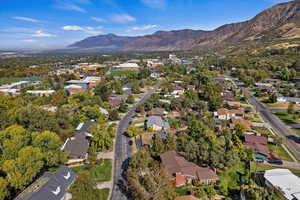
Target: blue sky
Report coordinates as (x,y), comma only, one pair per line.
(42,24)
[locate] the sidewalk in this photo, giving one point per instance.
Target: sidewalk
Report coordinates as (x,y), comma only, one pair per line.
(108,184)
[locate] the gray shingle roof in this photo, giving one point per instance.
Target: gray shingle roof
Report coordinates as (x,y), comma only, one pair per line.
(78,145)
(158,121)
(50,186)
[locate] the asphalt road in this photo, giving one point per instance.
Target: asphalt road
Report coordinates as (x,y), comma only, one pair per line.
(123,150)
(290,139)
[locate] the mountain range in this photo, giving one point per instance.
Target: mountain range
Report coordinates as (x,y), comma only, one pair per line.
(280,22)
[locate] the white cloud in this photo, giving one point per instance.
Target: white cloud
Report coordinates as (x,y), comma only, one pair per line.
(27,19)
(68,5)
(98,19)
(29,41)
(122,18)
(143,28)
(40,33)
(86,29)
(155,3)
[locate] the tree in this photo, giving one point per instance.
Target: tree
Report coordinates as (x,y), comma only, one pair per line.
(192,151)
(50,145)
(103,135)
(240,129)
(4,192)
(84,187)
(103,91)
(123,108)
(135,88)
(273,98)
(287,74)
(157,147)
(113,115)
(13,139)
(130,99)
(22,170)
(172,144)
(291,108)
(133,131)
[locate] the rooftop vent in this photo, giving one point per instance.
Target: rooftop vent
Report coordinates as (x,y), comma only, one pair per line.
(57,191)
(67,176)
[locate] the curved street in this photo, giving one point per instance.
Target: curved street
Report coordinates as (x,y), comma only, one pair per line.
(123,149)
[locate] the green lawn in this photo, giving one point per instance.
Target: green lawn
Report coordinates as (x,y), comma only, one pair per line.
(231,177)
(280,151)
(101,172)
(297,131)
(8,80)
(123,73)
(287,118)
(263,131)
(264,167)
(104,194)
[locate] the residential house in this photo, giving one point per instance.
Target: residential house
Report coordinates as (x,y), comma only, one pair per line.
(127,88)
(259,145)
(182,172)
(116,101)
(191,87)
(157,112)
(227,96)
(156,123)
(225,114)
(40,92)
(78,145)
(288,99)
(284,181)
(233,104)
(50,186)
(104,111)
(178,91)
(9,92)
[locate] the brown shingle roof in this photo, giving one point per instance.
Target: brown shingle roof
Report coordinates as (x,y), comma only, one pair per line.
(260,148)
(174,163)
(256,139)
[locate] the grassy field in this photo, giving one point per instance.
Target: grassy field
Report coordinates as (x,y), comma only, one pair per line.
(123,73)
(231,177)
(101,172)
(288,118)
(264,167)
(104,193)
(6,80)
(297,131)
(280,152)
(263,131)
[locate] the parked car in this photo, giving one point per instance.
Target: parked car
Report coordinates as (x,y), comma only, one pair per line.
(274,160)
